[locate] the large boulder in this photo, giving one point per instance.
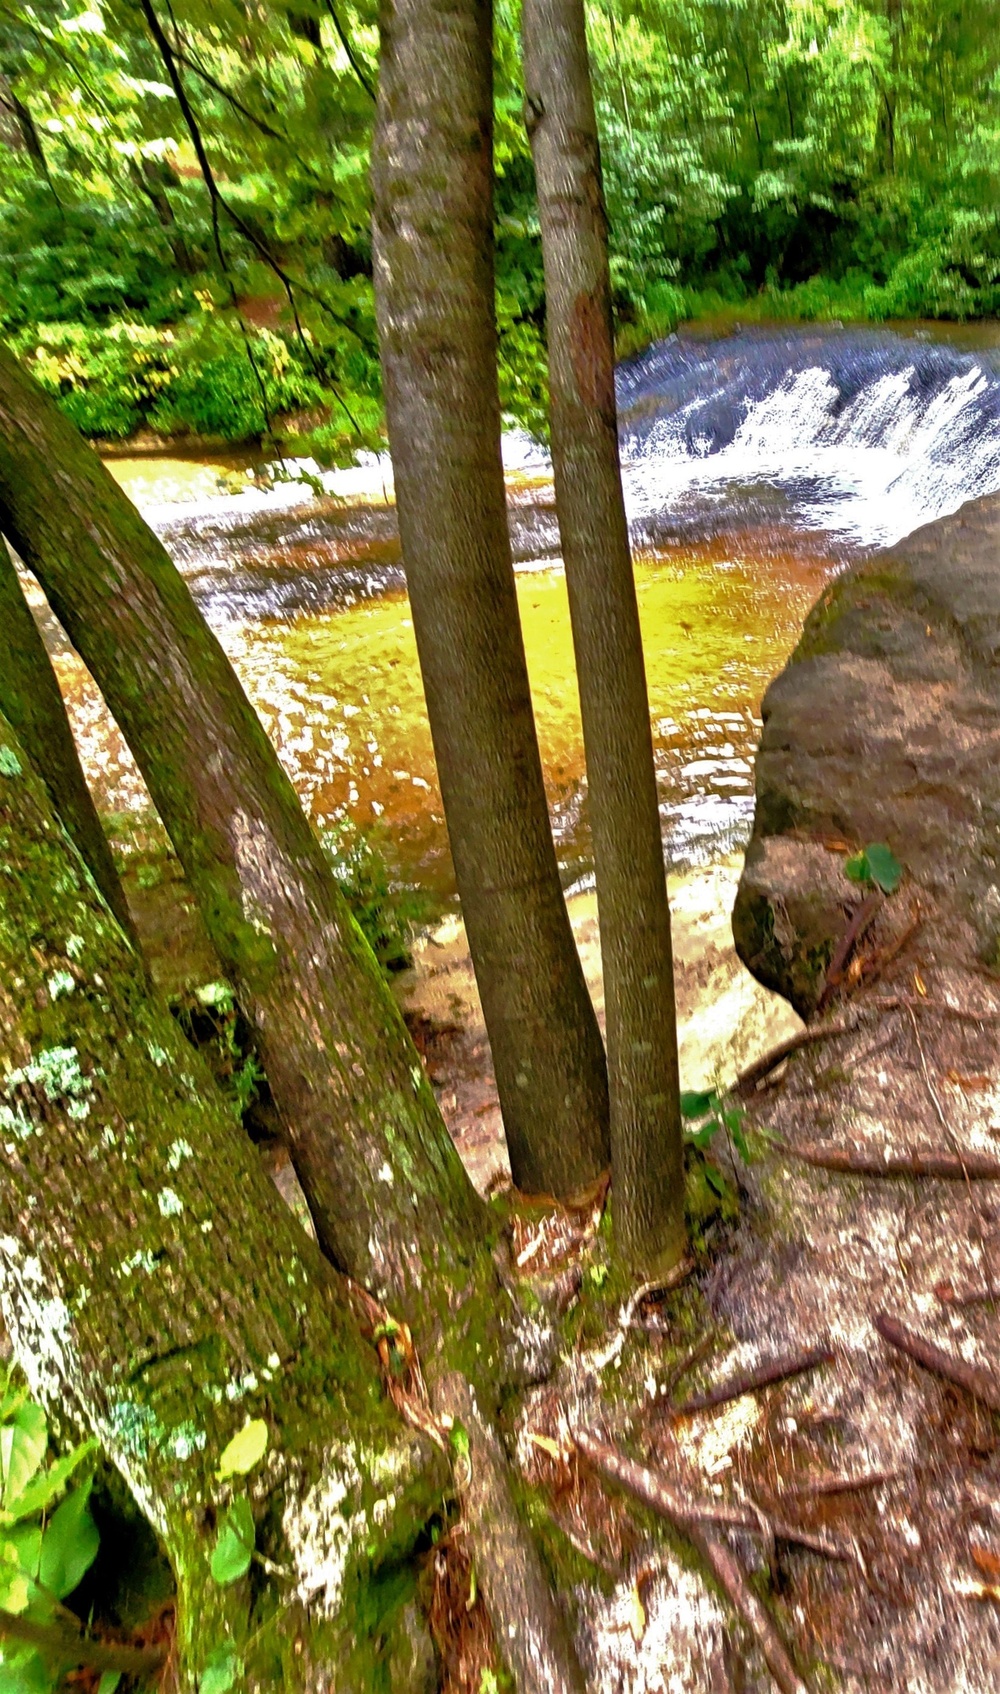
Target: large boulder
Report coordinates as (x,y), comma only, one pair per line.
(884,726)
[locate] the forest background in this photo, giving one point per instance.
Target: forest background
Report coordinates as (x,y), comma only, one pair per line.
(813,159)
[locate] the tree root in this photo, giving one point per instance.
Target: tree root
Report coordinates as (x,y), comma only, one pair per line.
(529,1629)
(928,1161)
(749,1080)
(762,1376)
(694,1520)
(973,1378)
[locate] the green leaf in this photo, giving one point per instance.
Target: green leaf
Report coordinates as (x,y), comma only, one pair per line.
(696,1105)
(883,867)
(740,1141)
(41,1492)
(109,1682)
(24,1672)
(856,867)
(220,1672)
(460,1441)
(22,1448)
(716,1181)
(69,1544)
(245,1450)
(700,1138)
(234,1548)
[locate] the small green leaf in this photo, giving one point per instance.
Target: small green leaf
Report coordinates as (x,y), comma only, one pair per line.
(234,1548)
(740,1141)
(856,867)
(460,1440)
(220,1672)
(109,1682)
(22,1448)
(700,1138)
(883,867)
(716,1181)
(696,1105)
(69,1544)
(24,1671)
(245,1450)
(40,1493)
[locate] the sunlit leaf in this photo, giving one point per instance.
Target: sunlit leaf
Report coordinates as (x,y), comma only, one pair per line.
(220,1672)
(245,1450)
(22,1448)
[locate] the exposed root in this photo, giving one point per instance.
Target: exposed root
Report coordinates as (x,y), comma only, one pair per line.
(858,1161)
(762,1376)
(973,1378)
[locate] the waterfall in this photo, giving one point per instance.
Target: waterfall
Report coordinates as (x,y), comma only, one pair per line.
(863,434)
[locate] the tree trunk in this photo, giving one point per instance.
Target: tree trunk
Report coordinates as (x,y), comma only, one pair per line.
(646,1150)
(159,1294)
(390,1198)
(30,698)
(432,169)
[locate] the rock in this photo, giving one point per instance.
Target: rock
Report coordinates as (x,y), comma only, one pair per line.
(884,726)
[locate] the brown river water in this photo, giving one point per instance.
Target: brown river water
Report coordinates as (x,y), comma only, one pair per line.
(756,466)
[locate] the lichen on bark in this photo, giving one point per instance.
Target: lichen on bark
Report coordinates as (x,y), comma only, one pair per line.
(159,1294)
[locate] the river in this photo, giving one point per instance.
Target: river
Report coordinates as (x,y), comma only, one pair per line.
(756,465)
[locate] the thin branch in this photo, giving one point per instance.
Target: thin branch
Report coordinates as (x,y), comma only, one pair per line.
(349,50)
(71,1649)
(217,198)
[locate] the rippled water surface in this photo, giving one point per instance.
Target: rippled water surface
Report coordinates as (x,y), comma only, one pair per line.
(755,466)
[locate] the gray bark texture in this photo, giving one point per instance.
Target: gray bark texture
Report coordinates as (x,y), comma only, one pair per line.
(391,1201)
(646,1146)
(30,698)
(159,1294)
(432,170)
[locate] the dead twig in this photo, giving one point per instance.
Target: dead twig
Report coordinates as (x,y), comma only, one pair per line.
(761,1376)
(749,1080)
(981,1383)
(857,1161)
(861,921)
(648,1488)
(916,1003)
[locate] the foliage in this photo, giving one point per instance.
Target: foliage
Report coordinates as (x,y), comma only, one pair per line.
(808,158)
(705,1115)
(386,911)
(48,1538)
(876,864)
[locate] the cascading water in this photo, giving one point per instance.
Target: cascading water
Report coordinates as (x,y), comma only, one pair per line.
(865,434)
(754,466)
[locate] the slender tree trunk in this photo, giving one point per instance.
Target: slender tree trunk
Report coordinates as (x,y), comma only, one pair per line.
(432,173)
(646,1151)
(30,698)
(159,1294)
(391,1201)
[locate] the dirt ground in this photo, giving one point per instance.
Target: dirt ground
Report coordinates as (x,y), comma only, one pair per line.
(725,1017)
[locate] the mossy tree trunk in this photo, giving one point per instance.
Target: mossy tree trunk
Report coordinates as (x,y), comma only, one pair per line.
(159,1294)
(432,170)
(646,1149)
(30,698)
(390,1198)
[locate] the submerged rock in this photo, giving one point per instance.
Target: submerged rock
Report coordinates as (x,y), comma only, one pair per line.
(884,726)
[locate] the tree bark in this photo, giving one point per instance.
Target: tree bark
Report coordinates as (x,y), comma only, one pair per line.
(30,698)
(432,168)
(390,1198)
(646,1149)
(159,1294)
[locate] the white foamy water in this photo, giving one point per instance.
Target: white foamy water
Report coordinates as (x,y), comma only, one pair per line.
(871,470)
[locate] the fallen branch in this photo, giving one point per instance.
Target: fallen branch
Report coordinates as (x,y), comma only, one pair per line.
(761,1376)
(973,1378)
(930,1161)
(648,1488)
(749,1080)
